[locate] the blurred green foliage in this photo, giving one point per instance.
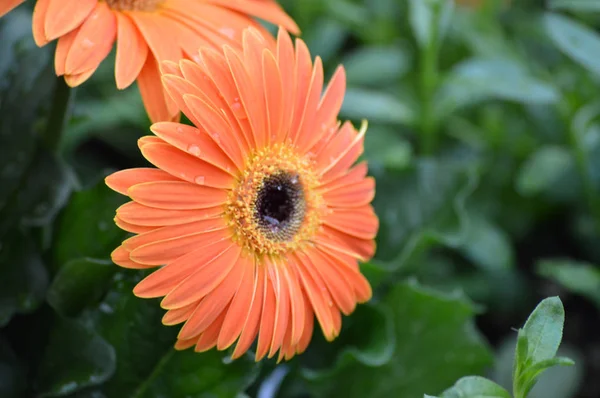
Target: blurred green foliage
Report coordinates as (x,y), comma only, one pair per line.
(484,140)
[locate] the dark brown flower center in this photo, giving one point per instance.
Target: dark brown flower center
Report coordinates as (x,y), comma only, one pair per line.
(280,206)
(134,5)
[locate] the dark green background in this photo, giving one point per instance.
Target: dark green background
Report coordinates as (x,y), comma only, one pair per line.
(484,139)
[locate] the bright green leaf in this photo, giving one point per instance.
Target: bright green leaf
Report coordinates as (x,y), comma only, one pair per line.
(544,168)
(432,331)
(544,330)
(475,387)
(577,41)
(79,283)
(76,357)
(578,277)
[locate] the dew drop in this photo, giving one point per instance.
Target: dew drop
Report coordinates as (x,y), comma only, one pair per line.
(229,32)
(238,109)
(199,180)
(179,130)
(87,43)
(215,137)
(194,150)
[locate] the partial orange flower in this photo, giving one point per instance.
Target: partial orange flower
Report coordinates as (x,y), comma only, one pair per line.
(146,31)
(257,215)
(8,5)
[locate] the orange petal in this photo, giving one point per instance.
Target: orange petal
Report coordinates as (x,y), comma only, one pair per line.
(195,142)
(252,319)
(157,103)
(62,16)
(267,10)
(139,214)
(38,22)
(267,319)
(94,40)
(359,222)
(185,344)
(308,132)
(120,256)
(133,228)
(132,52)
(203,281)
(179,195)
(282,308)
(77,79)
(122,180)
(302,80)
(213,304)
(332,99)
(240,306)
(307,330)
(274,104)
(62,50)
(179,315)
(362,249)
(286,59)
(8,5)
(165,279)
(186,166)
(208,339)
(351,196)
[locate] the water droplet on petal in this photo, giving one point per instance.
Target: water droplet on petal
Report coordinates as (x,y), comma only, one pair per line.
(87,43)
(199,180)
(179,130)
(238,109)
(215,137)
(229,32)
(194,150)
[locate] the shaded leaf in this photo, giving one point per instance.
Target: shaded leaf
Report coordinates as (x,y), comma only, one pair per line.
(575,40)
(578,277)
(76,357)
(86,228)
(546,166)
(376,107)
(79,283)
(376,65)
(431,330)
(23,276)
(574,5)
(429,19)
(13,381)
(487,245)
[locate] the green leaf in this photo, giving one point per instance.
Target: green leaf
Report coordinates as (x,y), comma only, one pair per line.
(574,5)
(421,207)
(429,19)
(13,382)
(543,169)
(79,283)
(575,40)
(431,330)
(23,276)
(376,66)
(578,277)
(376,106)
(336,34)
(76,357)
(544,330)
(147,363)
(205,375)
(86,228)
(475,387)
(480,79)
(487,245)
(385,148)
(528,379)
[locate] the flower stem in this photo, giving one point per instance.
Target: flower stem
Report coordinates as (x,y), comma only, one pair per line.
(61,108)
(428,85)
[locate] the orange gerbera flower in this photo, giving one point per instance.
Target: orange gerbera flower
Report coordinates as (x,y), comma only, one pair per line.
(8,5)
(257,213)
(145,31)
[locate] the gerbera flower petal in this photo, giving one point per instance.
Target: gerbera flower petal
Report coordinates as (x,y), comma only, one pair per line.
(120,256)
(270,237)
(62,16)
(8,5)
(38,22)
(132,52)
(122,180)
(267,10)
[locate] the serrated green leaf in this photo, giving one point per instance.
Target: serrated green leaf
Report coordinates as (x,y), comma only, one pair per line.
(376,106)
(428,326)
(475,387)
(76,358)
(147,363)
(79,283)
(544,330)
(575,40)
(543,169)
(578,277)
(23,276)
(421,207)
(481,79)
(86,228)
